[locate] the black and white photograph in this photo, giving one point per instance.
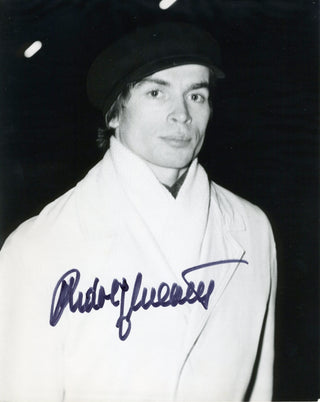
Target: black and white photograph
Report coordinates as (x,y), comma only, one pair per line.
(159,201)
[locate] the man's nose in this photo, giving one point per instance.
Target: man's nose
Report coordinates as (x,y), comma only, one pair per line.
(180,112)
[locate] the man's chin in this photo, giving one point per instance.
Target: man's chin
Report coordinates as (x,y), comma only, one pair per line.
(175,164)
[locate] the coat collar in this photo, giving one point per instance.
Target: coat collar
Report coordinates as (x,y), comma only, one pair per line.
(229,207)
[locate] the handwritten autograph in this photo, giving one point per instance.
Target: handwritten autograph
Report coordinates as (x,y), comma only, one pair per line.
(164,296)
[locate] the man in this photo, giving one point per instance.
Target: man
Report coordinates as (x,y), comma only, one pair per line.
(145,282)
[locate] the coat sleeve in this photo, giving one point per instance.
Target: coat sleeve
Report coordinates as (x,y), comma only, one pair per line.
(31,366)
(263,382)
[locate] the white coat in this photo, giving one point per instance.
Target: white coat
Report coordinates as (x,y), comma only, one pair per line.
(118,221)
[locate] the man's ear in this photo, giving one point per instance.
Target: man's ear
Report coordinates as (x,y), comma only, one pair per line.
(113,123)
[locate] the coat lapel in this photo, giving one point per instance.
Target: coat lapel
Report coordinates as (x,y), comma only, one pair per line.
(221,256)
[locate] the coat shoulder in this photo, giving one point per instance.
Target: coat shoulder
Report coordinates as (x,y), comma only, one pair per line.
(239,211)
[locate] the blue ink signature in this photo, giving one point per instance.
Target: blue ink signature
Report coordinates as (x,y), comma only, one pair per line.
(164,296)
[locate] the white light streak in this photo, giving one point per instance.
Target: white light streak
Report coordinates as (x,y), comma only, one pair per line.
(164,4)
(33,49)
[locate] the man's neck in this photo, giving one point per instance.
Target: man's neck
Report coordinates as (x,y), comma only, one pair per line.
(167,176)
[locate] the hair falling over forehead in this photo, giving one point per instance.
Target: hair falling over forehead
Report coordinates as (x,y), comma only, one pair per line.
(104,134)
(119,103)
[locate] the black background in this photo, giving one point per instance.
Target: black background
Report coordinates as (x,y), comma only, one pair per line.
(262,142)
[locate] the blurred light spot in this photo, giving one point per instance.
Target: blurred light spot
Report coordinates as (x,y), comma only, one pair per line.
(33,49)
(164,4)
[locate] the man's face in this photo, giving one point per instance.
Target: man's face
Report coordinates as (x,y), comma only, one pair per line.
(166,115)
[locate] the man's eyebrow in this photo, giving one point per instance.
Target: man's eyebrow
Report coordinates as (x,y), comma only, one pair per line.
(198,85)
(154,81)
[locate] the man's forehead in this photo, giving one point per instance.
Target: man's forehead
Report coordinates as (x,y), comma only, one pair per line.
(190,70)
(187,73)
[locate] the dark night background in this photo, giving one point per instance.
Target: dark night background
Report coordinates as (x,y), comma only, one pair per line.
(262,143)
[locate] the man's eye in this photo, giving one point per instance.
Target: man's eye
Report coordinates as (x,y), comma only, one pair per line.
(154,93)
(197,98)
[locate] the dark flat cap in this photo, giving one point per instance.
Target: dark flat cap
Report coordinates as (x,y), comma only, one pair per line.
(146,51)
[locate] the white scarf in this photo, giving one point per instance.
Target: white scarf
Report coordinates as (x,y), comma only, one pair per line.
(145,229)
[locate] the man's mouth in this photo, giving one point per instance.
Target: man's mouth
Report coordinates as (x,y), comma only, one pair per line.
(176,141)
